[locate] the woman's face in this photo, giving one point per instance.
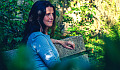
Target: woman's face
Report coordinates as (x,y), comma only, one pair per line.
(48,18)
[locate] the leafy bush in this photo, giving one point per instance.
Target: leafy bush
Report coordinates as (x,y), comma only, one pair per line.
(13,16)
(93,43)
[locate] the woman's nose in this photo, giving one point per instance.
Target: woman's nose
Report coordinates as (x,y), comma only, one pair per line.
(51,16)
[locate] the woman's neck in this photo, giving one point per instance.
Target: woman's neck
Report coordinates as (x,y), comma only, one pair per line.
(46,30)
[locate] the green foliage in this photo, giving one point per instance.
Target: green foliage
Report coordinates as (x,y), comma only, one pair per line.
(13,16)
(111,48)
(93,44)
(86,20)
(67,18)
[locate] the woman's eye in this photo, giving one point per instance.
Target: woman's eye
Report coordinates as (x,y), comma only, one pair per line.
(48,14)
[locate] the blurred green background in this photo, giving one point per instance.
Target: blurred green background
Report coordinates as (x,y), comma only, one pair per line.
(98,21)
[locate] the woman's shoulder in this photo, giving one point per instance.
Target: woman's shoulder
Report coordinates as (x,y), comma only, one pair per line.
(37,34)
(37,37)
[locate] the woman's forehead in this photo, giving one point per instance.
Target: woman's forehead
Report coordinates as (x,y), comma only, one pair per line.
(49,10)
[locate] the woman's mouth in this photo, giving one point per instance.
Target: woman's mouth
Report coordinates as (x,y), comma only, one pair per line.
(50,21)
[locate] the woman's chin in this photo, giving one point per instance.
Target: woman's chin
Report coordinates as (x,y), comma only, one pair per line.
(49,25)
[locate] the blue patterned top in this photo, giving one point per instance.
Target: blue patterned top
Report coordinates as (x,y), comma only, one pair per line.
(44,51)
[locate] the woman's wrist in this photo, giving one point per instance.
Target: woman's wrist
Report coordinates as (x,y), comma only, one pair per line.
(66,44)
(60,41)
(57,41)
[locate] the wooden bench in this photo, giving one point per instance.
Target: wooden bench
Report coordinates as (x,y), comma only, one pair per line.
(75,58)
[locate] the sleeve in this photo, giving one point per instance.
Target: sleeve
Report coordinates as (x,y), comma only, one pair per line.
(43,49)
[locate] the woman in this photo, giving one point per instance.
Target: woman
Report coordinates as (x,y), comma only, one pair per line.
(41,18)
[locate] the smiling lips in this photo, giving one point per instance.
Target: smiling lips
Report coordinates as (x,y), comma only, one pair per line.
(50,21)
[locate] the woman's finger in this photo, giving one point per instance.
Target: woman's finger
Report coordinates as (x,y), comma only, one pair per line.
(72,44)
(69,47)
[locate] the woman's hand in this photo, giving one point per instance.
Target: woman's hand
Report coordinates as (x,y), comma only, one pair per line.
(66,44)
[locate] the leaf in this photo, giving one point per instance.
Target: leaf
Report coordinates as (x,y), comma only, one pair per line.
(10,0)
(69,29)
(18,39)
(91,16)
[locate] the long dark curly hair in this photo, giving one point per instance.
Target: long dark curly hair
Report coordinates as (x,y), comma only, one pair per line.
(35,19)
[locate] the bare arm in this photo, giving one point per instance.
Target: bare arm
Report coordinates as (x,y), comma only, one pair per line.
(64,43)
